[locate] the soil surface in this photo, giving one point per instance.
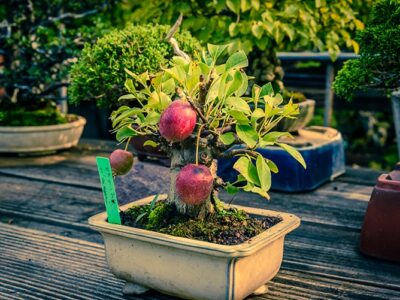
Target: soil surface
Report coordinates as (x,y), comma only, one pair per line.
(226,227)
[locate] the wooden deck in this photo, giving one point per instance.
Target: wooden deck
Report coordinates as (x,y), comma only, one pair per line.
(49,252)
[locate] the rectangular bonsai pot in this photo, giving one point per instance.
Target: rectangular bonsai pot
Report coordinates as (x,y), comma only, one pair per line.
(190,268)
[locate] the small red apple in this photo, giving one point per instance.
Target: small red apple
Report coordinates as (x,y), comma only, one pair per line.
(194,184)
(121,162)
(177,121)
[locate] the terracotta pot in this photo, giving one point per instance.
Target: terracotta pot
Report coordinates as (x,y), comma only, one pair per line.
(306,114)
(380,235)
(36,139)
(190,268)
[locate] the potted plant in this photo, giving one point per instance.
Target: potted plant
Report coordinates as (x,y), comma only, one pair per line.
(98,75)
(39,42)
(379,67)
(188,243)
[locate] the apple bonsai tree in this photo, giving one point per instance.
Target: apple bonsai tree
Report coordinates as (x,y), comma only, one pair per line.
(196,110)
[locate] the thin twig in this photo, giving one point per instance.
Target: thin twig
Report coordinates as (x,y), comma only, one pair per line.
(172,40)
(198,111)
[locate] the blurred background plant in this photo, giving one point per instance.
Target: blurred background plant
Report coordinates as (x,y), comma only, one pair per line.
(39,40)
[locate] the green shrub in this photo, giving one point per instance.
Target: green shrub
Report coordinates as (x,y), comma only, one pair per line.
(99,73)
(379,61)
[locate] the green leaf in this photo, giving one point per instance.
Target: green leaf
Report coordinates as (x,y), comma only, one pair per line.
(264,173)
(272,166)
(243,88)
(238,104)
(248,135)
(139,217)
(153,202)
(124,133)
(239,117)
(237,60)
(126,114)
(257,30)
(294,153)
(234,5)
(246,168)
(152,118)
(231,189)
(235,84)
(266,90)
(261,192)
(216,50)
(178,73)
(274,135)
(127,97)
(150,143)
(227,138)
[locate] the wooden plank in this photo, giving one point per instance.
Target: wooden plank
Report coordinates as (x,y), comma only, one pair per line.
(326,205)
(40,265)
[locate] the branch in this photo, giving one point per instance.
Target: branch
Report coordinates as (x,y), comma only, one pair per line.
(235,152)
(172,40)
(204,87)
(198,111)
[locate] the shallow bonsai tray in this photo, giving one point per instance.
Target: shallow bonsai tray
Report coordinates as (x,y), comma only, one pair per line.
(193,269)
(37,139)
(322,149)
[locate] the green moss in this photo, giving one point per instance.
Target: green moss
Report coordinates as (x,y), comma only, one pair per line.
(40,117)
(227,226)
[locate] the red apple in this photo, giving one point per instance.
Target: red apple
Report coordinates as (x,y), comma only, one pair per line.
(121,162)
(177,122)
(194,184)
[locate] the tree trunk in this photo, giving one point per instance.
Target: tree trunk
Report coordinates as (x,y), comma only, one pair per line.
(179,158)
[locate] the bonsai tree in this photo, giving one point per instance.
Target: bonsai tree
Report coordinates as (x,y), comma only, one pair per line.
(40,40)
(261,28)
(97,73)
(196,110)
(378,65)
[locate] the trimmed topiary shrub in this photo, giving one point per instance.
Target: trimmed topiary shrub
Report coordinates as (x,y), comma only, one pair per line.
(97,74)
(379,62)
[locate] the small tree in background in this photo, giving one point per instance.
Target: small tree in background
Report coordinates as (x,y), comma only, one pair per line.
(40,40)
(261,28)
(379,63)
(99,72)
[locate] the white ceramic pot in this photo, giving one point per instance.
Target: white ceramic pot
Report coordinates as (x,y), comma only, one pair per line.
(193,269)
(31,139)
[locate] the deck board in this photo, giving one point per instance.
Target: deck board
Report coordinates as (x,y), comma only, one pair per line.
(50,252)
(77,270)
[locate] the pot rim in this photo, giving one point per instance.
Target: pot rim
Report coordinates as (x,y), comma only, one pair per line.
(81,121)
(289,222)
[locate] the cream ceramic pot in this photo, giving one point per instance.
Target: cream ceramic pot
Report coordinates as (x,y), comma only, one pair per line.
(193,269)
(31,139)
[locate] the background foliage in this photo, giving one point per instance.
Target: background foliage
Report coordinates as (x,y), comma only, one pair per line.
(262,27)
(40,39)
(379,61)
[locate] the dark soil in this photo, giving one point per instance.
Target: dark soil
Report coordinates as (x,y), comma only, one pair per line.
(226,227)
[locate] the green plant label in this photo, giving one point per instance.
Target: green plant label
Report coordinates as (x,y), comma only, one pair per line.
(109,194)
